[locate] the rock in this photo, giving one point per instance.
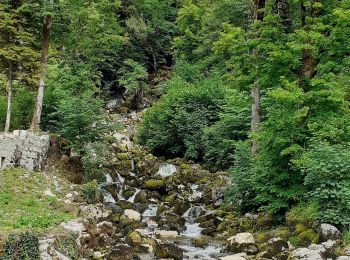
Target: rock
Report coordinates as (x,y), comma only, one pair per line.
(168,251)
(329,232)
(105,227)
(201,241)
(132,214)
(343,258)
(306,254)
(75,226)
(115,103)
(217,196)
(134,238)
(326,254)
(166,234)
(276,246)
(242,242)
(154,184)
(180,206)
(241,256)
(97,211)
(49,193)
(121,252)
(130,218)
(329,244)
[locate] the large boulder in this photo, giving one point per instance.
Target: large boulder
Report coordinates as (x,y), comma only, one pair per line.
(129,217)
(306,254)
(168,251)
(242,243)
(329,232)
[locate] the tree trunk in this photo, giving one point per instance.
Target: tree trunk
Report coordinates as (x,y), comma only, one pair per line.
(256,117)
(255,92)
(35,126)
(9,99)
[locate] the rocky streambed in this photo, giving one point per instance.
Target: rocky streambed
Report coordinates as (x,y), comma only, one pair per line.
(153,208)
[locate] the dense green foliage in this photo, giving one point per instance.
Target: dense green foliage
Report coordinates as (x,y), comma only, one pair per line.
(23,246)
(293,54)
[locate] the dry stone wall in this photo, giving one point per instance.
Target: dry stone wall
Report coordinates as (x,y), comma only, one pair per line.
(24,149)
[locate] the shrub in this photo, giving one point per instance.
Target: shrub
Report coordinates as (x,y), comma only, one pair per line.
(78,118)
(22,246)
(302,215)
(175,126)
(327,171)
(91,192)
(96,160)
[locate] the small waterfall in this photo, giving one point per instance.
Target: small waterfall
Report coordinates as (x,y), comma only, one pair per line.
(151,211)
(107,197)
(132,198)
(166,170)
(109,178)
(192,228)
(196,194)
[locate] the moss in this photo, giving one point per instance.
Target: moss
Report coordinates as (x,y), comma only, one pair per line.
(201,242)
(185,166)
(307,237)
(264,220)
(295,241)
(134,238)
(123,156)
(91,192)
(302,214)
(282,232)
(154,184)
(170,199)
(262,237)
(300,228)
(246,224)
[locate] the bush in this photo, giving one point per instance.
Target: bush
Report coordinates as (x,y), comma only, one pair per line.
(175,126)
(78,119)
(91,192)
(327,171)
(302,215)
(23,246)
(96,159)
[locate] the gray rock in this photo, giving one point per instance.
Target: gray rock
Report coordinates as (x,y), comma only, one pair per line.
(242,243)
(329,244)
(329,232)
(343,258)
(306,254)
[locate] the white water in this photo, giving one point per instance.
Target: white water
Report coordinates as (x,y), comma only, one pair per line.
(151,211)
(209,253)
(132,198)
(109,178)
(196,194)
(107,197)
(166,170)
(192,230)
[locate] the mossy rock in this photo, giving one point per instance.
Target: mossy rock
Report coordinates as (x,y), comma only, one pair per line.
(123,156)
(170,199)
(246,224)
(264,220)
(185,166)
(154,184)
(201,242)
(134,238)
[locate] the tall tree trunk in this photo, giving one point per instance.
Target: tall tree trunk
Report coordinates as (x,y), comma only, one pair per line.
(259,5)
(35,126)
(9,99)
(256,117)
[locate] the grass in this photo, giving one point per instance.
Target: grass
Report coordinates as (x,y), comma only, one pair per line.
(23,204)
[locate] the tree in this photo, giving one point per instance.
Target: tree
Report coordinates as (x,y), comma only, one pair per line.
(17,48)
(47,27)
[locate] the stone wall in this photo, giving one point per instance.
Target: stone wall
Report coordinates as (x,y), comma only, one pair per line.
(24,149)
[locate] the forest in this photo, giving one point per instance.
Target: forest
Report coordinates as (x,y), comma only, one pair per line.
(257,89)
